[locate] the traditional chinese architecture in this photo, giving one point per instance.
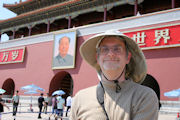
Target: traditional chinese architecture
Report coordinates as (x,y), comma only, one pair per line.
(28,55)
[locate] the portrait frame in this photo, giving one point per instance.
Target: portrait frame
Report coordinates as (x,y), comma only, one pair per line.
(68,61)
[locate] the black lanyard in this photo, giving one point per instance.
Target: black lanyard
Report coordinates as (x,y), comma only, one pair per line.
(100,97)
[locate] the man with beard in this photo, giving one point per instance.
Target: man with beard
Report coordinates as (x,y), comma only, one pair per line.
(121,67)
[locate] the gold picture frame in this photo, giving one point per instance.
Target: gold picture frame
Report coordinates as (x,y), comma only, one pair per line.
(64,53)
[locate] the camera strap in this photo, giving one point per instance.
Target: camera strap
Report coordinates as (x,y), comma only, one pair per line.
(100,97)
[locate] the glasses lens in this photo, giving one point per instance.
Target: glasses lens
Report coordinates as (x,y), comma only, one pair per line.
(105,50)
(117,50)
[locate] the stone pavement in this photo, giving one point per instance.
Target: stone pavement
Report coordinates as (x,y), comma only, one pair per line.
(25,114)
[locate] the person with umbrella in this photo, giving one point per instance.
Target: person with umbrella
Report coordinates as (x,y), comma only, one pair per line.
(59,101)
(15,101)
(2,104)
(60,106)
(40,104)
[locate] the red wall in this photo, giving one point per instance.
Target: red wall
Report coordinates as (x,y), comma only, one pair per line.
(163,65)
(36,69)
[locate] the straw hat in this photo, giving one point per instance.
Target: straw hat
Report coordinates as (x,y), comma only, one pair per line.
(136,69)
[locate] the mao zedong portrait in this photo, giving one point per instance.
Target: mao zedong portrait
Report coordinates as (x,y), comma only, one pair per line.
(63,58)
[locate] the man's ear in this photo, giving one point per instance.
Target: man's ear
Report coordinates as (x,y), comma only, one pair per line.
(128,57)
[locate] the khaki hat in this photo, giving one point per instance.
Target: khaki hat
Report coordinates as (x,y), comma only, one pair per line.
(136,69)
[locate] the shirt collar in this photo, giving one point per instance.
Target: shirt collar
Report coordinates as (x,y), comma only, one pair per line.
(110,85)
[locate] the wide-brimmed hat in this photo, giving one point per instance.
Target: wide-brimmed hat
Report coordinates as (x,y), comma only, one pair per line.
(136,69)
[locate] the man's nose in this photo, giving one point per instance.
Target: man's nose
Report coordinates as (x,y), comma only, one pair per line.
(110,52)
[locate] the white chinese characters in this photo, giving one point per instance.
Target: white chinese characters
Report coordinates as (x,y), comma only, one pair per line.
(9,56)
(14,54)
(140,38)
(5,56)
(162,34)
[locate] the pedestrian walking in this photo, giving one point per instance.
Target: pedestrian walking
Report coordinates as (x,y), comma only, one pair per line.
(60,106)
(40,104)
(46,104)
(68,103)
(54,106)
(121,67)
(15,101)
(2,104)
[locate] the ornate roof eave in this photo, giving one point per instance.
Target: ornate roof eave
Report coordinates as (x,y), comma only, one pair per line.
(12,6)
(31,5)
(39,10)
(16,4)
(64,14)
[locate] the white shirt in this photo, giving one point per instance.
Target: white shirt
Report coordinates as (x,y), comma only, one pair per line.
(68,101)
(16,98)
(60,102)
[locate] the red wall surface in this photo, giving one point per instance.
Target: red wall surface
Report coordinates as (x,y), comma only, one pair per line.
(163,65)
(36,69)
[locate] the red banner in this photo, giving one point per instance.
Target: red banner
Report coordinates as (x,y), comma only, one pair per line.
(13,55)
(157,37)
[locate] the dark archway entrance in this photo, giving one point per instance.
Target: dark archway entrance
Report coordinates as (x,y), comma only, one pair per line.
(151,82)
(63,81)
(9,86)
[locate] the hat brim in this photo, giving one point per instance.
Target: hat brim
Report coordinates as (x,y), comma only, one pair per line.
(136,69)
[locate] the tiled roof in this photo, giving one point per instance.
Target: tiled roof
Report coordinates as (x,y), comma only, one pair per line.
(40,10)
(16,4)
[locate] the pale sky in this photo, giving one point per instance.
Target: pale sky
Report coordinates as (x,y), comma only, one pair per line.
(5,14)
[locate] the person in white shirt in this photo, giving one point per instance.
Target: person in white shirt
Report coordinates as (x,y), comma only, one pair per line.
(68,104)
(60,106)
(15,101)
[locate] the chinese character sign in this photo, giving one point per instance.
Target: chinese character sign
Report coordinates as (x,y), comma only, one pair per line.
(13,55)
(164,34)
(156,37)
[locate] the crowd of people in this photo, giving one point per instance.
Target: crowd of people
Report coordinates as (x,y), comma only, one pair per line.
(57,102)
(58,105)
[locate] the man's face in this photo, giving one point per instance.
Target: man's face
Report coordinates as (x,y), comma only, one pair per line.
(112,57)
(64,46)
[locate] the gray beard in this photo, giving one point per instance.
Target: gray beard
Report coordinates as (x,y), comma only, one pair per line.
(110,66)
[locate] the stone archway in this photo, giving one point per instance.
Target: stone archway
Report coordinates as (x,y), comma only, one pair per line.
(62,80)
(9,86)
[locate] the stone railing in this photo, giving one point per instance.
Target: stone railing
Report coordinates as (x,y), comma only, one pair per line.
(170,107)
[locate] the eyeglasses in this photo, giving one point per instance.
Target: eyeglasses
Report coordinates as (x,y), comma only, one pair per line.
(105,50)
